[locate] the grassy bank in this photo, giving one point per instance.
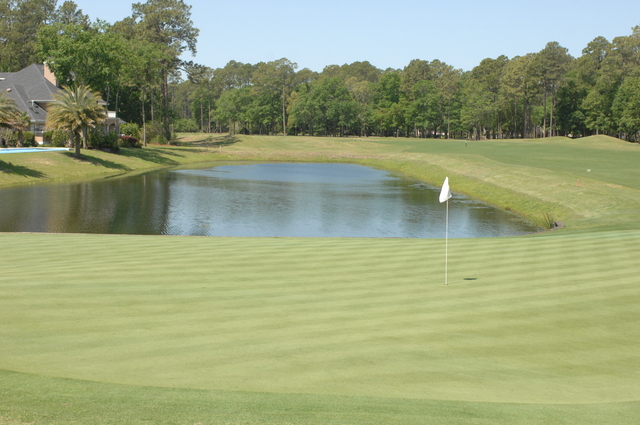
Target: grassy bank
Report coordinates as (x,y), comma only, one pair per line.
(535,178)
(590,183)
(44,167)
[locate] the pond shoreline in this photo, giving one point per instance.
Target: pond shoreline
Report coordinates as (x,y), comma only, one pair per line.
(541,197)
(285,199)
(93,167)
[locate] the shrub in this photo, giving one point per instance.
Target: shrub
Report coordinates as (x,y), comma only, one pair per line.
(154,133)
(29,138)
(58,138)
(186,126)
(10,138)
(98,139)
(130,129)
(6,137)
(129,142)
(159,140)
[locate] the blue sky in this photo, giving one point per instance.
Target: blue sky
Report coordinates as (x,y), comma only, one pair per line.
(389,34)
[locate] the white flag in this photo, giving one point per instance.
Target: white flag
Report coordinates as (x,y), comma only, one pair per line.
(445,193)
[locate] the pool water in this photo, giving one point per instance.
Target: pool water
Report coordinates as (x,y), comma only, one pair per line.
(28,150)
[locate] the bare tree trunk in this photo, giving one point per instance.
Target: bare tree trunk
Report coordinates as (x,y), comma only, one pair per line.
(144,122)
(165,106)
(153,105)
(284,112)
(544,121)
(524,114)
(449,121)
(116,112)
(106,124)
(551,131)
(515,117)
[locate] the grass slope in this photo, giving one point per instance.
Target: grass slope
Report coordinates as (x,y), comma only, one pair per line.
(223,330)
(531,177)
(535,178)
(41,167)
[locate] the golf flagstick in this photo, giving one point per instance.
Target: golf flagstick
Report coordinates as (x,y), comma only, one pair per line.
(446,247)
(445,195)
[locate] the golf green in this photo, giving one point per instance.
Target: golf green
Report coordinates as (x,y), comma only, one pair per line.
(137,329)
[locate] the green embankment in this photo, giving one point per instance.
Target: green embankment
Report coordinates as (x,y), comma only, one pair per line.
(535,178)
(539,179)
(31,168)
(111,329)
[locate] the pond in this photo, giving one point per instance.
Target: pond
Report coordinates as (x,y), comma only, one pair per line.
(283,199)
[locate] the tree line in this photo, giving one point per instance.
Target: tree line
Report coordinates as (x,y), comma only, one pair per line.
(540,94)
(130,63)
(136,65)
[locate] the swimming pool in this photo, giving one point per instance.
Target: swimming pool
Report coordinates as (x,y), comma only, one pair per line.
(26,150)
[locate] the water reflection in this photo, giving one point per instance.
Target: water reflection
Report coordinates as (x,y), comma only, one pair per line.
(316,200)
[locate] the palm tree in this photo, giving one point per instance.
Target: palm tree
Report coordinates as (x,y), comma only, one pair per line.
(21,122)
(76,109)
(8,111)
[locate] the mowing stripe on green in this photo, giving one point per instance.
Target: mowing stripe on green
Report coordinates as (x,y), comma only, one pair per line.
(524,320)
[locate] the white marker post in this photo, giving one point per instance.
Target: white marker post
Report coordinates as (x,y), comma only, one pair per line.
(445,195)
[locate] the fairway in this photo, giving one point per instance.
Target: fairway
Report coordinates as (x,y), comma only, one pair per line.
(293,330)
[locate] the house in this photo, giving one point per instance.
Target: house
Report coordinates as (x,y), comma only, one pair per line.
(32,89)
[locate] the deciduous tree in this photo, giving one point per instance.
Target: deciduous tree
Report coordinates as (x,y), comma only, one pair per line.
(69,14)
(20,21)
(549,66)
(277,76)
(626,108)
(166,23)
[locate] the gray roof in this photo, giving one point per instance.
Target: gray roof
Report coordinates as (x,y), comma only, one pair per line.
(29,90)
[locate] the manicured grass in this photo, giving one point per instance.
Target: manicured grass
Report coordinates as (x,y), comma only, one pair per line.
(100,329)
(268,330)
(29,168)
